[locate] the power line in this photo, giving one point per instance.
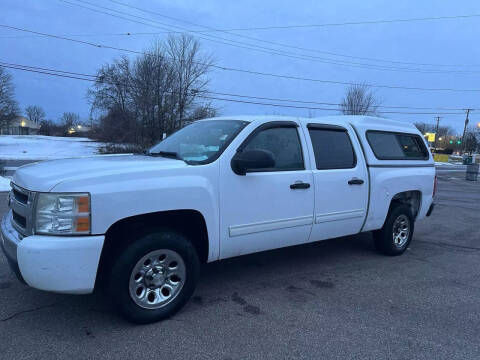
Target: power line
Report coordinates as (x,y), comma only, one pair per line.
(237,95)
(208,28)
(164,26)
(202,31)
(346,23)
(300,26)
(367,22)
(263,49)
(244,71)
(331,103)
(201,94)
(317,108)
(212,38)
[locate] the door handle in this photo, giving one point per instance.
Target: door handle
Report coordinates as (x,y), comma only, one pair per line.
(299,185)
(355,181)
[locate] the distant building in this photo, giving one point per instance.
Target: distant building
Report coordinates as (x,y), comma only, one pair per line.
(20,126)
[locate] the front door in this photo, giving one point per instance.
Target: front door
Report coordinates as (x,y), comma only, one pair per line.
(267,209)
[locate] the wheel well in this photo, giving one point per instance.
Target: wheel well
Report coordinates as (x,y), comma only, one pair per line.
(412,198)
(122,233)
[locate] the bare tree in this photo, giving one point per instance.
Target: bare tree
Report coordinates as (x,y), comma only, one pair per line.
(156,93)
(424,127)
(445,131)
(360,100)
(111,89)
(8,105)
(203,112)
(431,128)
(472,139)
(35,113)
(69,120)
(190,68)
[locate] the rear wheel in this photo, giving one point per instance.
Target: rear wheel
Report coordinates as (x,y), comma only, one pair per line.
(396,234)
(154,277)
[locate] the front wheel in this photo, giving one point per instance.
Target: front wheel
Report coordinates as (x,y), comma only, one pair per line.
(155,276)
(395,236)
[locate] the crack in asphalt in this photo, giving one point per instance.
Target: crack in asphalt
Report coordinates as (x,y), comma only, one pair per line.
(443,244)
(27,311)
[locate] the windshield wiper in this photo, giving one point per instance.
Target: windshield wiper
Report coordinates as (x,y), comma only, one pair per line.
(167,154)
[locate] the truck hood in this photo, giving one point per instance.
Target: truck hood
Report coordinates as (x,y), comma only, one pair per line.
(44,176)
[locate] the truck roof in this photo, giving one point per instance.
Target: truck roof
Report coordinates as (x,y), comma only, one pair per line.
(361,124)
(357,121)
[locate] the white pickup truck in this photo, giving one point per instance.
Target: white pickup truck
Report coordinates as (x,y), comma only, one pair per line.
(140,226)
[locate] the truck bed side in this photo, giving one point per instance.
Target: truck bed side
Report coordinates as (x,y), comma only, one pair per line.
(409,181)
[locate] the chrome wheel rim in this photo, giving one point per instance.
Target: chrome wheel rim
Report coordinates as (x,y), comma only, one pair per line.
(401,230)
(157,278)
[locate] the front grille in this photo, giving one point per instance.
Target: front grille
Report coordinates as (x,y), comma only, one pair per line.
(21,204)
(20,196)
(19,219)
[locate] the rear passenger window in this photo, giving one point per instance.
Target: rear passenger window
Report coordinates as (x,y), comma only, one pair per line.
(397,146)
(332,148)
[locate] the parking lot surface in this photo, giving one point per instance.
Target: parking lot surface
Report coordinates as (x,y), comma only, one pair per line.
(336,299)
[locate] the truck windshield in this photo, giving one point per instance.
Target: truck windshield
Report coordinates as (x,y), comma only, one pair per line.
(200,142)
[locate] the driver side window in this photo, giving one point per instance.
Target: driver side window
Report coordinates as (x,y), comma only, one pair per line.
(283,143)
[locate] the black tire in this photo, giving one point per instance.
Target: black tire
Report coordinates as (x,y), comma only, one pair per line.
(384,238)
(124,265)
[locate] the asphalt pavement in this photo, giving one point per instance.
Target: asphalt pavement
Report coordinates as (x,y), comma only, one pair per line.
(335,299)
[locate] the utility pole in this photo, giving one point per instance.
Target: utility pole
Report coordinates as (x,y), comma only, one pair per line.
(436,133)
(465,128)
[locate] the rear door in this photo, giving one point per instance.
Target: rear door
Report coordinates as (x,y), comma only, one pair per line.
(340,178)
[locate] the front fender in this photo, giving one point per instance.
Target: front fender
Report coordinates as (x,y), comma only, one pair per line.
(119,198)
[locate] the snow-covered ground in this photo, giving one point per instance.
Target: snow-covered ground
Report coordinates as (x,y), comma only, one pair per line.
(38,147)
(4,184)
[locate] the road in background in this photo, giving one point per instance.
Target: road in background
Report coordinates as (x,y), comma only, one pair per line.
(8,167)
(332,299)
(450,167)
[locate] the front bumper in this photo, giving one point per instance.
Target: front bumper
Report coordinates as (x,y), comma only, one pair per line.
(65,264)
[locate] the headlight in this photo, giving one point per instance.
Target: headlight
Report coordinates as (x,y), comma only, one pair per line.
(62,214)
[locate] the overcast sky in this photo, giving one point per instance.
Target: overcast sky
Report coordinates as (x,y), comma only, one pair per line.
(452,41)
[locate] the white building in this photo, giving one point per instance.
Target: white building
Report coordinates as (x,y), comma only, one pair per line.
(20,126)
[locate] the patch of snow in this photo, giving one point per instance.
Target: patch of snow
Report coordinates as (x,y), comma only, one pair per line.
(39,147)
(4,184)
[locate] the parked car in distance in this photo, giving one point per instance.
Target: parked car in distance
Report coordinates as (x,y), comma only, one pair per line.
(140,226)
